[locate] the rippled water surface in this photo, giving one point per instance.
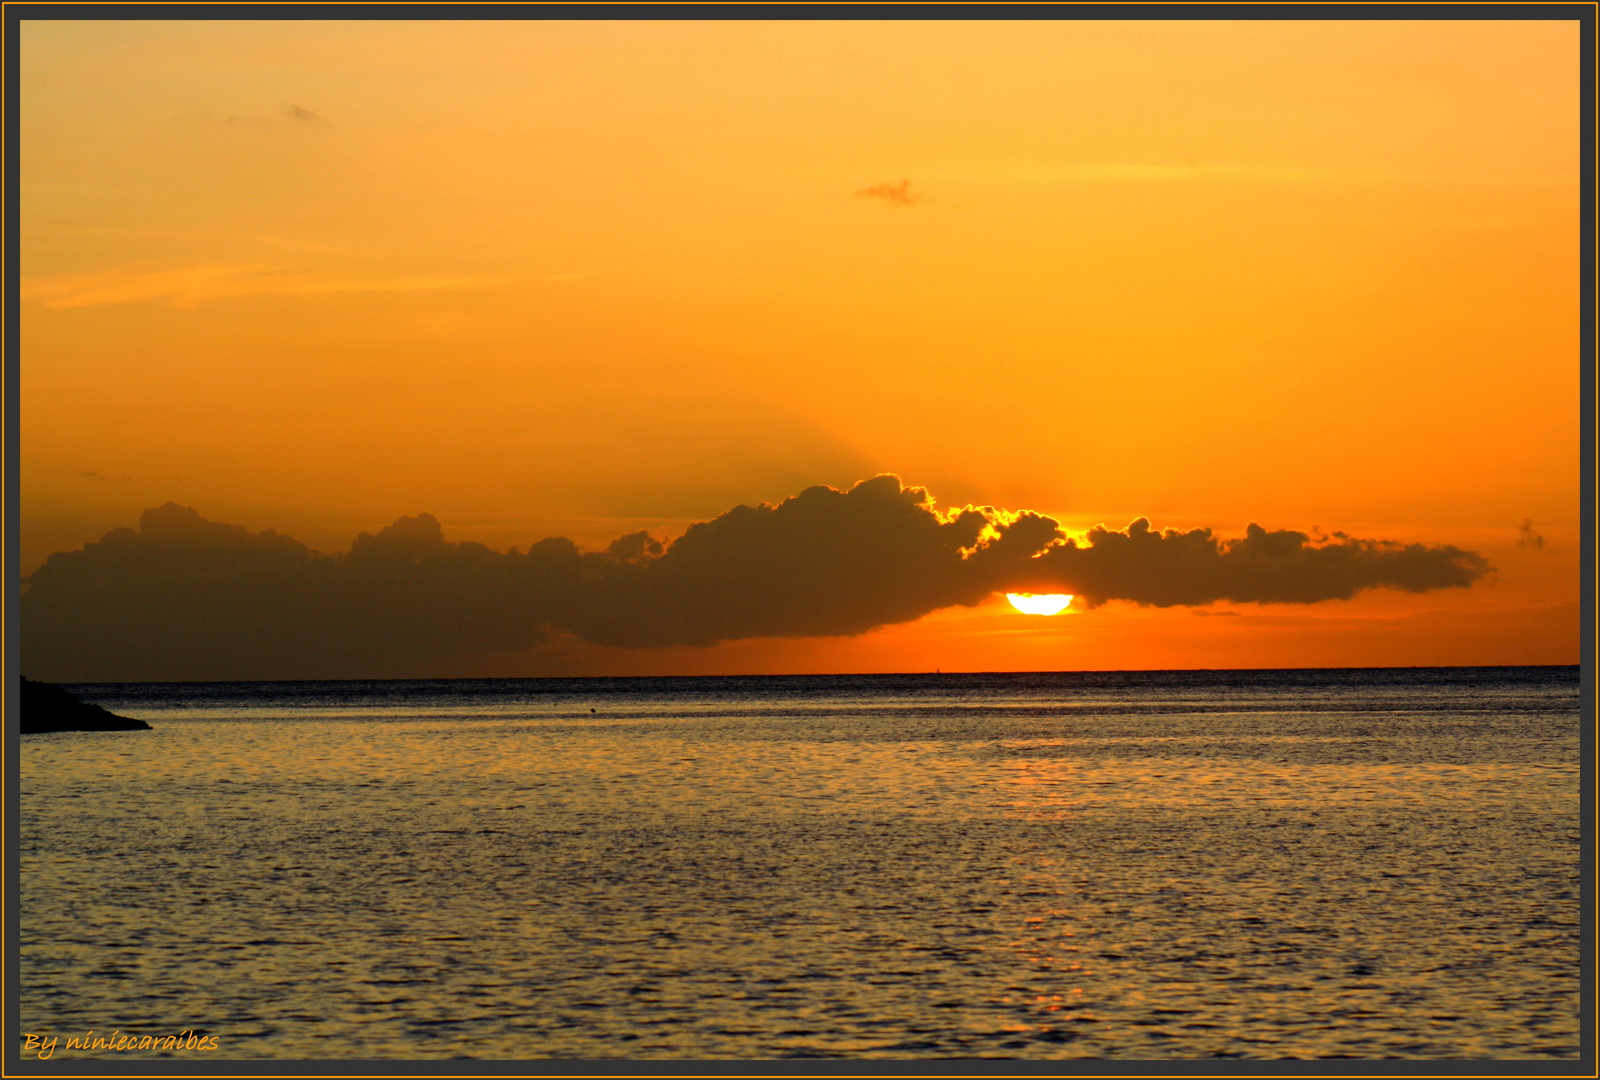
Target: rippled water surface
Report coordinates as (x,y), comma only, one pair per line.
(1155,865)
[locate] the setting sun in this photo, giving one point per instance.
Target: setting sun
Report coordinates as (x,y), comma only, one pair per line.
(1040,604)
(548,479)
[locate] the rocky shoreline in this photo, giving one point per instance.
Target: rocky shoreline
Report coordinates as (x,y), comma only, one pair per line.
(47,707)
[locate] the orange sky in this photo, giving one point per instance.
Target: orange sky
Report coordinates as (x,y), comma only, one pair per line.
(584,278)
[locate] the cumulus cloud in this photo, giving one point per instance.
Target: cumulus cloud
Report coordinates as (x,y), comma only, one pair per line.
(1170,567)
(894,194)
(187,598)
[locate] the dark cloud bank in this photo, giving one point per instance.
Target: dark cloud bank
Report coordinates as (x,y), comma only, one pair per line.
(184,598)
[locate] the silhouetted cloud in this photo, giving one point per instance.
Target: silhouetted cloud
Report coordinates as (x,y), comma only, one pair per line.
(895,194)
(187,598)
(1528,538)
(305,116)
(1170,567)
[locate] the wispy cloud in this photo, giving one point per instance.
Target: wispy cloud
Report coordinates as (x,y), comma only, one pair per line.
(1110,172)
(1132,171)
(187,286)
(894,194)
(288,117)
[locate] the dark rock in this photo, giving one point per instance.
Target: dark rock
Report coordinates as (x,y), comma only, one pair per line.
(47,707)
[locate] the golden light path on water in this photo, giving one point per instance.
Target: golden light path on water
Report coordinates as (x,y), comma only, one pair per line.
(1136,865)
(1039,603)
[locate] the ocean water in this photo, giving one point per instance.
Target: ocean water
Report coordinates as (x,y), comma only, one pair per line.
(1377,863)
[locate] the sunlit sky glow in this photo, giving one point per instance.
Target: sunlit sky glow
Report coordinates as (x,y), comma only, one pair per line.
(581,279)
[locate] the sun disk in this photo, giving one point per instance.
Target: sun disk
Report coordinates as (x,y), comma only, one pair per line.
(1039,603)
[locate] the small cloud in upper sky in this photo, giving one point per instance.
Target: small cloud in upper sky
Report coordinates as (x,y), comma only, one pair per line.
(104,479)
(1528,538)
(899,194)
(304,115)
